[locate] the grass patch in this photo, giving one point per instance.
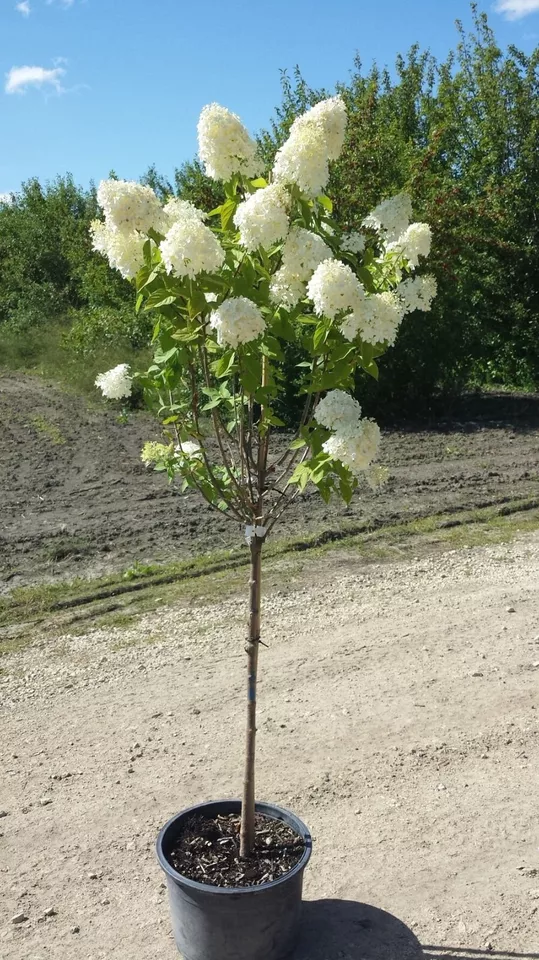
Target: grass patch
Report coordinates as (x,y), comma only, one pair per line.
(118,599)
(49,430)
(47,353)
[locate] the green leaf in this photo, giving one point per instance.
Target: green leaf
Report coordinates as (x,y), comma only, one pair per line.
(197,303)
(187,335)
(259,183)
(301,476)
(271,347)
(159,299)
(283,328)
(271,417)
(297,443)
(320,335)
(325,202)
(162,358)
(223,366)
(227,211)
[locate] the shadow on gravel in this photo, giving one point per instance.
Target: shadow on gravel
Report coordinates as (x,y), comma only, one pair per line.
(347,930)
(469,953)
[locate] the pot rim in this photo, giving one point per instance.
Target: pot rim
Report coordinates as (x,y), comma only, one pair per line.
(268,809)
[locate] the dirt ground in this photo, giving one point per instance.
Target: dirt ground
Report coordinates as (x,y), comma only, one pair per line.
(75,498)
(399,718)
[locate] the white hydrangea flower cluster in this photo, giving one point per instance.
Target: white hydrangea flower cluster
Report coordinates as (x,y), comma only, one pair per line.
(129,206)
(303,251)
(190,247)
(237,320)
(333,288)
(315,138)
(130,211)
(377,320)
(123,250)
(224,144)
(355,442)
(188,450)
(339,411)
(376,476)
(391,217)
(414,243)
(262,219)
(353,242)
(153,452)
(356,451)
(115,384)
(417,293)
(176,210)
(285,289)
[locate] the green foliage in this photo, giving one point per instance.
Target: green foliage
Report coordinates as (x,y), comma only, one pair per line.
(101,328)
(461,136)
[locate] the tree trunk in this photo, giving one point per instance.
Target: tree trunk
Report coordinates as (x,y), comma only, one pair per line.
(247,835)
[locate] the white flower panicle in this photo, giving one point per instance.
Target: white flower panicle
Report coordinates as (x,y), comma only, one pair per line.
(356,450)
(302,253)
(286,289)
(130,206)
(303,160)
(224,144)
(329,118)
(355,442)
(339,411)
(153,452)
(262,219)
(315,138)
(376,476)
(124,251)
(417,293)
(377,320)
(353,242)
(333,288)
(115,384)
(188,449)
(237,320)
(415,242)
(176,210)
(391,217)
(190,247)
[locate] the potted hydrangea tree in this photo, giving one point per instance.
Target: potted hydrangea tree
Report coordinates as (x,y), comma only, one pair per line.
(231,289)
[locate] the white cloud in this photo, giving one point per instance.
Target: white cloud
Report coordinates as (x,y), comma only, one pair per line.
(23,7)
(6,198)
(20,78)
(516,9)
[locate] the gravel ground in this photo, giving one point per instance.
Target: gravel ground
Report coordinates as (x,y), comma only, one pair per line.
(397,718)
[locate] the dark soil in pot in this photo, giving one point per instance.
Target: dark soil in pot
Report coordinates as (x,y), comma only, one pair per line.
(208,850)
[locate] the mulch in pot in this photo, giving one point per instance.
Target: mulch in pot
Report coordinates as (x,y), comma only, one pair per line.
(208,850)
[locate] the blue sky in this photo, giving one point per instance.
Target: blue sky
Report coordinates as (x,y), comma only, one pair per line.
(90,85)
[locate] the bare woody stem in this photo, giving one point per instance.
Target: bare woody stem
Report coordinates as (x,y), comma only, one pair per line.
(247,835)
(247,831)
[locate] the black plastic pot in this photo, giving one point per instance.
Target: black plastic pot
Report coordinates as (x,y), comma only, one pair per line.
(234,923)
